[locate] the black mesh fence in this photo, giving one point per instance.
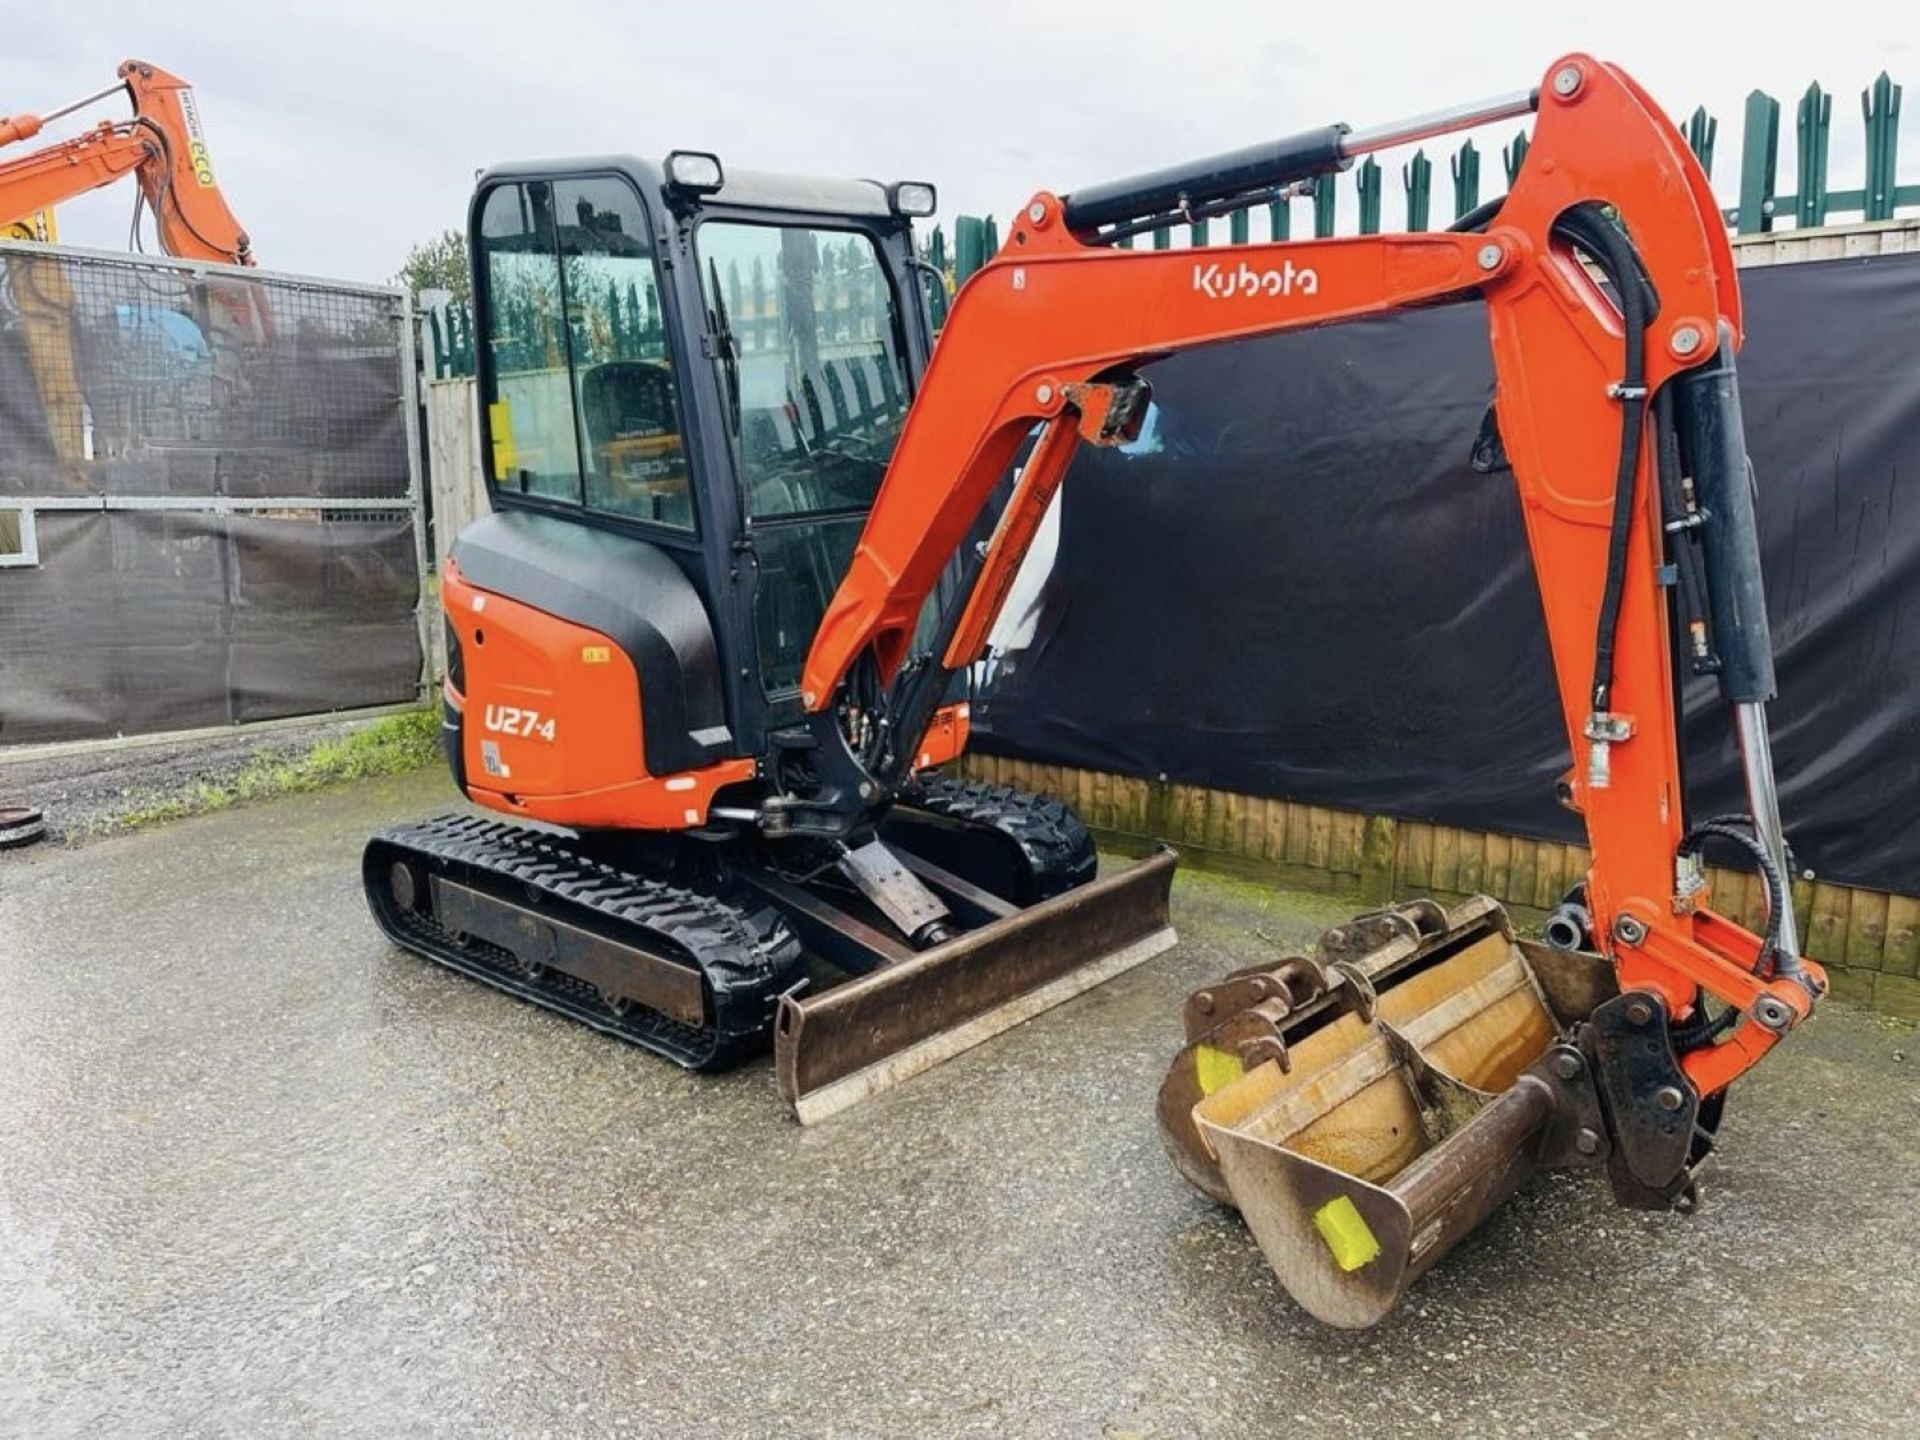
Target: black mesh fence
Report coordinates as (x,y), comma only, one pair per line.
(206,498)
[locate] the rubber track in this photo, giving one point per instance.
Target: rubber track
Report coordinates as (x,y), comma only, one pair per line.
(1059,851)
(746,958)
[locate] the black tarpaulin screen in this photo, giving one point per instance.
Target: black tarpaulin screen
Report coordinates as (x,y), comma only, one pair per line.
(214,469)
(1295,585)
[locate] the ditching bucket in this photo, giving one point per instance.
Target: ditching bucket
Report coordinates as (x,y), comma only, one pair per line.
(843,1045)
(1375,1104)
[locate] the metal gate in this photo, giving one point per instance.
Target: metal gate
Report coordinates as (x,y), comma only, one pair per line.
(209,495)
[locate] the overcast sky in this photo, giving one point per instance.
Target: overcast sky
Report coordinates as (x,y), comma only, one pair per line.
(344,131)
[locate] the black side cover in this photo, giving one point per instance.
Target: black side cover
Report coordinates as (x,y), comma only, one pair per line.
(629,591)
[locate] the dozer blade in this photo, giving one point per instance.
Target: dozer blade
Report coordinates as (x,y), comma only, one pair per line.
(1365,1123)
(839,1047)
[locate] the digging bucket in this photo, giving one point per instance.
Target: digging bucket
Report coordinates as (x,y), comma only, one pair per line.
(1397,1106)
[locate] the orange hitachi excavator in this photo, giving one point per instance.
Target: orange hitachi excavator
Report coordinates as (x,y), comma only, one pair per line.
(163,146)
(743,554)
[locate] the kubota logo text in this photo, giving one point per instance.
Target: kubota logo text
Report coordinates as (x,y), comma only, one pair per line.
(1220,282)
(512,720)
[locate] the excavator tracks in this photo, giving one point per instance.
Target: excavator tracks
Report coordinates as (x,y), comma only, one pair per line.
(1057,854)
(678,971)
(683,974)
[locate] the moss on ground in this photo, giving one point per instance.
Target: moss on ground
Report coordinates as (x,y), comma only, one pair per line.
(391,745)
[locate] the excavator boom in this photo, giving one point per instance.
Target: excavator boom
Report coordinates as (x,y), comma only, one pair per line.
(163,146)
(1613,317)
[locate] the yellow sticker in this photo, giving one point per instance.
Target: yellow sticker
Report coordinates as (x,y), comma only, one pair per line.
(1216,1068)
(596,654)
(197,156)
(1346,1232)
(500,427)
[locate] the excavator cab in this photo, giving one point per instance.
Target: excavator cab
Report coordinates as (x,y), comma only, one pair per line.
(715,367)
(691,383)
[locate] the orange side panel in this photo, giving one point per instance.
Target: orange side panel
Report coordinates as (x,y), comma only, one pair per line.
(553,722)
(946,737)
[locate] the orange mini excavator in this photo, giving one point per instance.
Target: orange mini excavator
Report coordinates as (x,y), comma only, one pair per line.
(743,553)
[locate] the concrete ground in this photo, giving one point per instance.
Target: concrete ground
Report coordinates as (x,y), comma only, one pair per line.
(262,1175)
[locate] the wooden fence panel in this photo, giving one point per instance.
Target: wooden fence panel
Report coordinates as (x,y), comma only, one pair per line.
(453,462)
(1869,939)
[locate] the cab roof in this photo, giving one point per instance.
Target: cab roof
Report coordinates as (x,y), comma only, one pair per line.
(757,189)
(821,194)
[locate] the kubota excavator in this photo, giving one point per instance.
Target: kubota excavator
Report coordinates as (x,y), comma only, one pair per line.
(737,567)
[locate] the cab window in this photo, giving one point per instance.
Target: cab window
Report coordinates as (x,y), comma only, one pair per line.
(582,406)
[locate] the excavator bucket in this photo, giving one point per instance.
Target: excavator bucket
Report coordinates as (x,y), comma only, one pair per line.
(1366,1107)
(842,1045)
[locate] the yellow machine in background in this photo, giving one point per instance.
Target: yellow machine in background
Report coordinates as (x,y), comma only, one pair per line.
(39,226)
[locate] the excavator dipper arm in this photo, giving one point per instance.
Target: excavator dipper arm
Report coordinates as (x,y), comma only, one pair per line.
(1591,371)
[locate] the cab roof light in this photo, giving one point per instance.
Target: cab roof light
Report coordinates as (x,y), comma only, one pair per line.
(697,171)
(914,198)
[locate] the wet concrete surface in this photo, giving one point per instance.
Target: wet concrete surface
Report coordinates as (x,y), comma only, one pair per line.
(262,1175)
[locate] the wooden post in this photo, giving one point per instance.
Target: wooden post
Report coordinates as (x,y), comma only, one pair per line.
(1377,847)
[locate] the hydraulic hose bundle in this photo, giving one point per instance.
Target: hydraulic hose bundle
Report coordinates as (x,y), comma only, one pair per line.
(1707,515)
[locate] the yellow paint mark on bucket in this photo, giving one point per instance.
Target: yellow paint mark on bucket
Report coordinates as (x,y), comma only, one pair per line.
(1346,1232)
(1216,1068)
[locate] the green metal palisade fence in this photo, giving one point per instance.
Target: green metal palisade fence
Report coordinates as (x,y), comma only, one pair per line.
(1759,205)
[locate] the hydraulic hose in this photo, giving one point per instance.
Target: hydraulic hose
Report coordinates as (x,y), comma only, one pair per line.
(1589,227)
(1739,830)
(1478,218)
(1683,521)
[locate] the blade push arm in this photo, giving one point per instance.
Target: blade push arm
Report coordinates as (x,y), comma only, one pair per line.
(162,146)
(1053,331)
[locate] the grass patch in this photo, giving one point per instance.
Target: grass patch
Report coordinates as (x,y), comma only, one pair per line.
(391,745)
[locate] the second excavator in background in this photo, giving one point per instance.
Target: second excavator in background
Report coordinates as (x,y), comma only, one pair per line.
(162,146)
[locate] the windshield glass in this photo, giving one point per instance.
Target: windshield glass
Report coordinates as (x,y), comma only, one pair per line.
(817,385)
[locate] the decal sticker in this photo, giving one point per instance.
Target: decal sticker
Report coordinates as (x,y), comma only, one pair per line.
(512,720)
(1223,282)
